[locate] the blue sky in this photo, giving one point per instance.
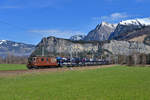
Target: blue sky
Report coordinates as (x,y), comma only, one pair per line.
(30,20)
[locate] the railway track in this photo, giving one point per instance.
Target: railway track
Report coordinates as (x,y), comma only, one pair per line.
(22,72)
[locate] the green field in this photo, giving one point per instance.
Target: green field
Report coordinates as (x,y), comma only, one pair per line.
(114,83)
(12,67)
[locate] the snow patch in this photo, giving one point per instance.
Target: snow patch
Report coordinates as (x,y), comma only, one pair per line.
(2,41)
(143,22)
(109,25)
(77,37)
(15,45)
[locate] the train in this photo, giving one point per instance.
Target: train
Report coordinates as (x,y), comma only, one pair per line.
(39,62)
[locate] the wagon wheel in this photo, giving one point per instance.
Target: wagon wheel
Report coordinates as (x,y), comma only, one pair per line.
(36,67)
(29,67)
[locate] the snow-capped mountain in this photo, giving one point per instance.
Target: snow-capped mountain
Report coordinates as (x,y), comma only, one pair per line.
(101,32)
(15,48)
(139,22)
(125,27)
(77,37)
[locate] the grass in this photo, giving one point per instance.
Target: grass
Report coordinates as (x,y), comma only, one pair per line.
(5,67)
(115,83)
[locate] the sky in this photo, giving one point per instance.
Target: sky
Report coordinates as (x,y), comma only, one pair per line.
(29,21)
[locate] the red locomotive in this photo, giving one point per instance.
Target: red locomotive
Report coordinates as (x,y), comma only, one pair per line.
(38,62)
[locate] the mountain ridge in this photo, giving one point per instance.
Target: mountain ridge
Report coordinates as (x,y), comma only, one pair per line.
(15,48)
(101,32)
(127,27)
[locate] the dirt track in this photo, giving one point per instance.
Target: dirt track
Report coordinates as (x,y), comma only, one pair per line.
(21,72)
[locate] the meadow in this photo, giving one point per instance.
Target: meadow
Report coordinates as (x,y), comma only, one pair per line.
(5,67)
(113,83)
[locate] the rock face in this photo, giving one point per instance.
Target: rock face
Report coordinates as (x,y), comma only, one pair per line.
(52,46)
(77,37)
(15,48)
(147,40)
(129,29)
(126,47)
(101,32)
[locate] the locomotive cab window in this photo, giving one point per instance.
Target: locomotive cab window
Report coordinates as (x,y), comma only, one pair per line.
(42,59)
(47,59)
(34,59)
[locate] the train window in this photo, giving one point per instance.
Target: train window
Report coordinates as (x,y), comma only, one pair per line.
(47,59)
(42,59)
(33,59)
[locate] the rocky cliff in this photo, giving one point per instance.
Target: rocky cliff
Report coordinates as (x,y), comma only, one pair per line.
(52,46)
(126,47)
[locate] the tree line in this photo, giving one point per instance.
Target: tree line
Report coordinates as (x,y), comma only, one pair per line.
(11,59)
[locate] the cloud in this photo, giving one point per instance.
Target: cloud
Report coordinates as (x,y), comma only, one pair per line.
(114,17)
(57,33)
